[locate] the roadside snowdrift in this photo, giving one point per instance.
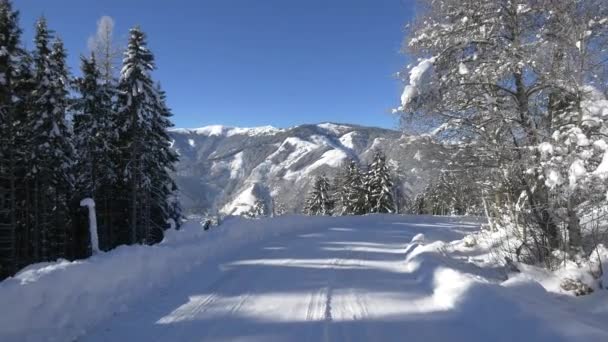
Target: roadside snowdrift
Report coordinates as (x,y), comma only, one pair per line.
(58,301)
(467,286)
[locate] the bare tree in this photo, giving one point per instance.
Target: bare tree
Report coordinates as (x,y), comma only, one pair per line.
(104,47)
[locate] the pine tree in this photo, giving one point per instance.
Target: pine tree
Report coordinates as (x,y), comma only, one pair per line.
(379,186)
(165,193)
(51,160)
(259,209)
(350,192)
(419,206)
(319,201)
(15,85)
(146,158)
(96,145)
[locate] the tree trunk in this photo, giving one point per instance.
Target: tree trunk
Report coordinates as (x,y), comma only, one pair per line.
(574,229)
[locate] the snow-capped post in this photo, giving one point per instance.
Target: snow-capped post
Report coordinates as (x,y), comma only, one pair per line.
(90,204)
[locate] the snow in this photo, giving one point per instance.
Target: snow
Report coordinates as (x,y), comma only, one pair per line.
(595,103)
(293,150)
(191,142)
(463,69)
(577,170)
(213,130)
(60,301)
(601,145)
(332,158)
(243,203)
(226,131)
(523,8)
(418,238)
(347,140)
(236,166)
(377,277)
(419,76)
(553,178)
(254,131)
(375,144)
(602,169)
(546,149)
(298,147)
(334,128)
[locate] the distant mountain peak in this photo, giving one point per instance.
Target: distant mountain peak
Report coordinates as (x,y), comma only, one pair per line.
(220,130)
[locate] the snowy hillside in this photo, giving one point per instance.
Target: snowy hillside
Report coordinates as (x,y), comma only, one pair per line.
(366,278)
(219,166)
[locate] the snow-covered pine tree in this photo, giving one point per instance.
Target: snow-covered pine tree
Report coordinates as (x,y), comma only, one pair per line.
(419,206)
(350,191)
(15,84)
(51,160)
(279,208)
(379,186)
(96,145)
(143,140)
(259,209)
(319,200)
(165,193)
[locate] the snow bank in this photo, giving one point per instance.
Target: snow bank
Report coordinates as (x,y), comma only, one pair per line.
(486,308)
(58,301)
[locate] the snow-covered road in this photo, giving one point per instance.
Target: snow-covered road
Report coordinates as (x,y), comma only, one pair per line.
(345,282)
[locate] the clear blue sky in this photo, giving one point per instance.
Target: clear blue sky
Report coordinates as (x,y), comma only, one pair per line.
(254,62)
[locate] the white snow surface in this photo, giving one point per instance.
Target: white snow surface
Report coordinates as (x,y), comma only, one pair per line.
(333,158)
(220,130)
(347,140)
(242,203)
(291,151)
(292,278)
(334,128)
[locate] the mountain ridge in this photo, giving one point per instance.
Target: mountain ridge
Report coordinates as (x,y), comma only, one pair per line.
(221,165)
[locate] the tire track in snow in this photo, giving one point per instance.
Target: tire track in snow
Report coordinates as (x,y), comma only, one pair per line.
(328,297)
(316,302)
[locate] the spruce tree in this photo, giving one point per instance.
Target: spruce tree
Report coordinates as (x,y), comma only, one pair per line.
(51,160)
(350,191)
(165,194)
(146,160)
(96,145)
(15,83)
(319,201)
(379,186)
(259,209)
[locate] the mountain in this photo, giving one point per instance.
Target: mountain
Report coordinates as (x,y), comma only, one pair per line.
(229,169)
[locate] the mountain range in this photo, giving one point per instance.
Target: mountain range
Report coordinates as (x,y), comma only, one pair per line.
(228,169)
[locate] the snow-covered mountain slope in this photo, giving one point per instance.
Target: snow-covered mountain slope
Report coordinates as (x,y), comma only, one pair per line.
(219,166)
